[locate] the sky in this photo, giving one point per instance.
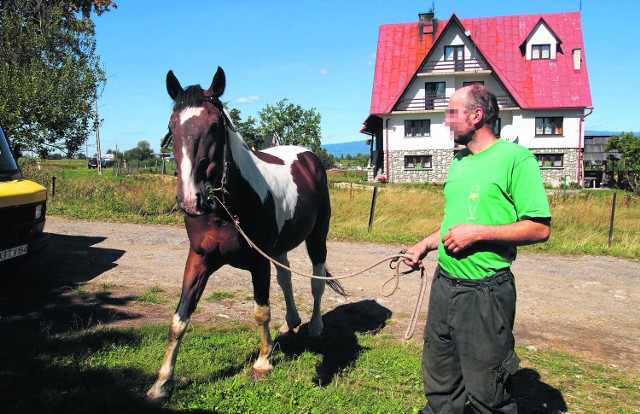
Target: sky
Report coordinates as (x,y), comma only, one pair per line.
(316,54)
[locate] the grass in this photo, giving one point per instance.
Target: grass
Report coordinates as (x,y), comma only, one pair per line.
(403,213)
(103,370)
(87,369)
(219,295)
(153,296)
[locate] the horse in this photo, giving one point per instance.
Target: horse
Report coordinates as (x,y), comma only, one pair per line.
(279,197)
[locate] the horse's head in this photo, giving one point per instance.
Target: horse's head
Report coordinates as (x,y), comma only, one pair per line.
(198,126)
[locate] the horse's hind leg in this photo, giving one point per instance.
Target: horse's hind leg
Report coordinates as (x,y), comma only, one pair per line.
(317,290)
(284,280)
(196,273)
(317,249)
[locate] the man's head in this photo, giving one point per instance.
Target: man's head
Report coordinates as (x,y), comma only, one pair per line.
(470,109)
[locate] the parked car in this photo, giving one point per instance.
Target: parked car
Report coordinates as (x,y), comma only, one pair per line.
(93,163)
(23,206)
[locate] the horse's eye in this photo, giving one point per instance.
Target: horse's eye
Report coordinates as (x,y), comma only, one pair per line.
(213,129)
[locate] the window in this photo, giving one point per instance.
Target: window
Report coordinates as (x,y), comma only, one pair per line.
(541,52)
(434,93)
(497,127)
(417,128)
(550,160)
(472,83)
(549,126)
(455,54)
(417,161)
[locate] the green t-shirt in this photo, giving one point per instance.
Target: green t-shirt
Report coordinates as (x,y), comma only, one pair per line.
(500,185)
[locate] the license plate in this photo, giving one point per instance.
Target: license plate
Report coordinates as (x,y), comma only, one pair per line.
(13,252)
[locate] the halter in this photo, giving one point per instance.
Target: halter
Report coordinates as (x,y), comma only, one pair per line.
(211,193)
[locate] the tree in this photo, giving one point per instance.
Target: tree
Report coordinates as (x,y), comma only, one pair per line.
(328,160)
(291,124)
(247,129)
(141,152)
(629,146)
(49,72)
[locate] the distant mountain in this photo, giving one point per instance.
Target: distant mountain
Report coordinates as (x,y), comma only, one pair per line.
(347,148)
(606,133)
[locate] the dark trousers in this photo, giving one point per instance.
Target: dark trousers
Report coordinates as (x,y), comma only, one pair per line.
(468,350)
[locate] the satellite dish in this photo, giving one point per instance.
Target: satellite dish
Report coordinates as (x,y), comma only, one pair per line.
(509,133)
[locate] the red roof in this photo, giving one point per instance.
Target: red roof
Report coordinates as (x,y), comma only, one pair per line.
(534,84)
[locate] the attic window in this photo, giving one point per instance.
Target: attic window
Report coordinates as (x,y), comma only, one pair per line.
(541,51)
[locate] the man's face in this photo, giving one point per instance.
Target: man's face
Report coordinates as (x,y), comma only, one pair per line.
(458,119)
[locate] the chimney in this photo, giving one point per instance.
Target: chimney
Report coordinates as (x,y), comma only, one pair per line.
(426,17)
(577,59)
(428,22)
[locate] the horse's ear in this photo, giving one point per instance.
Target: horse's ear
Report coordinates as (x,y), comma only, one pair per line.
(173,85)
(218,84)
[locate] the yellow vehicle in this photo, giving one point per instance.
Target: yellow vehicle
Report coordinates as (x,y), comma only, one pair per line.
(23,206)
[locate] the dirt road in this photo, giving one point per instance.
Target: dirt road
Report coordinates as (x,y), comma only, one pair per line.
(587,306)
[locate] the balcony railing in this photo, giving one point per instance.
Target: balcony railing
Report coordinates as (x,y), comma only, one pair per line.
(447,66)
(440,104)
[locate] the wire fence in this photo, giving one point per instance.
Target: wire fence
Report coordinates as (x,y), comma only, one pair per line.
(166,167)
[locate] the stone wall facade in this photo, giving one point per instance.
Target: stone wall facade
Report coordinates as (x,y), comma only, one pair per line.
(440,160)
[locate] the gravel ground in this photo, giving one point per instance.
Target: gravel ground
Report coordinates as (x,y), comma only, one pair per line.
(587,305)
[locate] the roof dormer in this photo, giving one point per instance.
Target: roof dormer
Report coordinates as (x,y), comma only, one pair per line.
(541,42)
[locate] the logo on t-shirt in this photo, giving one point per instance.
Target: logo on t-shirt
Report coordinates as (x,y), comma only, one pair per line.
(473,201)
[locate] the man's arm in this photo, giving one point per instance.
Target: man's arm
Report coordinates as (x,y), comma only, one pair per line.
(424,246)
(528,231)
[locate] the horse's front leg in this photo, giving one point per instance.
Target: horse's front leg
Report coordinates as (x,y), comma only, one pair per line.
(292,318)
(260,276)
(196,273)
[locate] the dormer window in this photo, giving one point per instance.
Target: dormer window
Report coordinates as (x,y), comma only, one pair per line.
(541,51)
(541,43)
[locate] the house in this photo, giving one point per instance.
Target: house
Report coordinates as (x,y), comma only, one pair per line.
(534,64)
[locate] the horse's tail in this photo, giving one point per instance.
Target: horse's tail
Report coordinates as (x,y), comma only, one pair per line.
(335,284)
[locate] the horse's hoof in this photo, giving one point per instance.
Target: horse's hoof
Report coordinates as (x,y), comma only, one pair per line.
(156,398)
(284,329)
(258,374)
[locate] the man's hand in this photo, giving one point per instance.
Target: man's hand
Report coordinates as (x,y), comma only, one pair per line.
(460,237)
(420,250)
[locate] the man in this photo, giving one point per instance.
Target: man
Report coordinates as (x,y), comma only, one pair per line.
(494,201)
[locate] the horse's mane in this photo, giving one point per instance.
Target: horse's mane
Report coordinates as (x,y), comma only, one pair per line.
(192,96)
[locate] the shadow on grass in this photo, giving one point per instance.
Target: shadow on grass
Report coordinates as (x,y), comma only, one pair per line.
(45,374)
(339,345)
(534,396)
(42,294)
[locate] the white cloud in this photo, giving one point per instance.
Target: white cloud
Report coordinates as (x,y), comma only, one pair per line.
(246,99)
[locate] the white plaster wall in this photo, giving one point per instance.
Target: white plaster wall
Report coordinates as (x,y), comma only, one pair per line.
(524,122)
(541,36)
(440,135)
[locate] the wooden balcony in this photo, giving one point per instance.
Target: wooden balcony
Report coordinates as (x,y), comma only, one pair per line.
(471,66)
(440,104)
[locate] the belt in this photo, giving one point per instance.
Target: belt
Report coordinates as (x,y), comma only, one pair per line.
(498,278)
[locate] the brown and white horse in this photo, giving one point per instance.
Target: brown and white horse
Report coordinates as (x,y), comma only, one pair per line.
(279,197)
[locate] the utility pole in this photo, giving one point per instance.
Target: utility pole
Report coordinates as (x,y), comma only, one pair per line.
(98,137)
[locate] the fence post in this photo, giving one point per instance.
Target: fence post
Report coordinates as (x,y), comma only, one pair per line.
(53,186)
(373,207)
(613,214)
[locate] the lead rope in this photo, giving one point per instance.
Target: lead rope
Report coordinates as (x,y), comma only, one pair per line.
(395,258)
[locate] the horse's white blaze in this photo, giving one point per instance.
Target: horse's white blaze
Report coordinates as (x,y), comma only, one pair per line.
(186,173)
(268,178)
(190,112)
